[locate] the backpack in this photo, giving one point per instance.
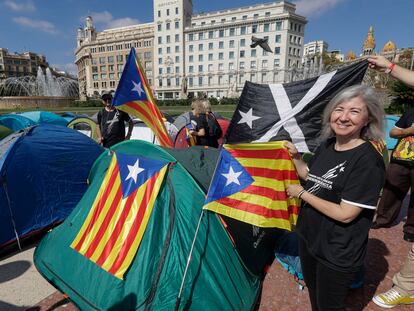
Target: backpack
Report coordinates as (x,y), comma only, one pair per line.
(214,129)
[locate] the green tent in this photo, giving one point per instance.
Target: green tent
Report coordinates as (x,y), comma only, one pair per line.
(4,131)
(216,279)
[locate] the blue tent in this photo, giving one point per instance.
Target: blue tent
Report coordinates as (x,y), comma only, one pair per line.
(43,175)
(45,117)
(390,121)
(16,122)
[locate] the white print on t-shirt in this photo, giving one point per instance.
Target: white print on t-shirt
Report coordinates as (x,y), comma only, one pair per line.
(325,181)
(111,122)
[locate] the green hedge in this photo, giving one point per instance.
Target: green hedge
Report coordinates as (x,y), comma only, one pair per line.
(187,102)
(88,103)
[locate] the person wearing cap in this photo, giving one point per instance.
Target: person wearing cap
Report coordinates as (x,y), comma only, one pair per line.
(111,121)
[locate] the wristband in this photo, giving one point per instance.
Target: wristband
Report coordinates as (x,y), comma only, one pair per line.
(390,68)
(301,193)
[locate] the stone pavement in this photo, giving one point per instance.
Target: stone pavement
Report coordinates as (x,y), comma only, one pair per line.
(21,284)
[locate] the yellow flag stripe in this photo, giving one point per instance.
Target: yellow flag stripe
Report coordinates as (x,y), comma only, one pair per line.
(256,146)
(276,164)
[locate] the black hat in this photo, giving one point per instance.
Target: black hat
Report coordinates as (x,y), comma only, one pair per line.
(106,96)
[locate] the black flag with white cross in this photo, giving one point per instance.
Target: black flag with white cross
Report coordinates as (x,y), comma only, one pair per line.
(291,111)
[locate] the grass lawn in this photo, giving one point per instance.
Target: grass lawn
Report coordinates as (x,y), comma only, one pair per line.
(224,110)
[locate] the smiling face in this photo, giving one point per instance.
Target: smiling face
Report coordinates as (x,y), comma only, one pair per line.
(348,118)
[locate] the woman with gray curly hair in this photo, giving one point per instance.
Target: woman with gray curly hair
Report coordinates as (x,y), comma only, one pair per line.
(343,183)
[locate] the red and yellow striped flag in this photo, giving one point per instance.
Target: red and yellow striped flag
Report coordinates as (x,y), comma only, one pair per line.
(115,225)
(250,185)
(133,95)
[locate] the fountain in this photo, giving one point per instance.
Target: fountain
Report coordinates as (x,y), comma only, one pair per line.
(43,90)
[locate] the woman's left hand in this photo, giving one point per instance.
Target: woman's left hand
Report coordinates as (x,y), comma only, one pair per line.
(293,190)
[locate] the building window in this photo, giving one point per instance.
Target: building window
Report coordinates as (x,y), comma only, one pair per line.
(267,14)
(242,42)
(254,28)
(190,58)
(278,25)
(231,55)
(168,12)
(211,34)
(102,60)
(191,69)
(264,78)
(266,27)
(232,32)
(159,27)
(177,38)
(231,44)
(177,25)
(278,38)
(252,53)
(177,49)
(200,81)
(168,49)
(200,47)
(200,36)
(221,45)
(277,62)
(242,53)
(177,69)
(210,56)
(244,17)
(168,39)
(160,61)
(119,58)
(167,25)
(176,11)
(221,33)
(264,63)
(159,40)
(253,64)
(243,30)
(221,55)
(95,77)
(160,71)
(241,65)
(159,13)
(200,68)
(147,55)
(191,48)
(190,81)
(103,76)
(177,59)
(210,79)
(200,57)
(220,80)
(231,66)
(221,67)
(210,67)
(210,45)
(277,50)
(190,37)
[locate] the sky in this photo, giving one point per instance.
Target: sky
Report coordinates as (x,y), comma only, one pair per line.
(49,27)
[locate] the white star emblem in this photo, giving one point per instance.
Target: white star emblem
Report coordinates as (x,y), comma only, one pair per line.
(248,117)
(137,88)
(342,169)
(134,171)
(232,177)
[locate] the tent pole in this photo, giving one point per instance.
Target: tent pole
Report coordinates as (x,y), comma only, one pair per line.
(177,303)
(11,216)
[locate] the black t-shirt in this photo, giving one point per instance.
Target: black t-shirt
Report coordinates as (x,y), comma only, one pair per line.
(213,131)
(199,123)
(354,176)
(406,120)
(112,126)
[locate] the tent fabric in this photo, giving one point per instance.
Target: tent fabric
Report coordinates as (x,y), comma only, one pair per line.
(45,117)
(85,125)
(390,121)
(16,122)
(4,131)
(43,175)
(216,280)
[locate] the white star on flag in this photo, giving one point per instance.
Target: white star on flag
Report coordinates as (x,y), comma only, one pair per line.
(248,117)
(134,171)
(137,88)
(232,177)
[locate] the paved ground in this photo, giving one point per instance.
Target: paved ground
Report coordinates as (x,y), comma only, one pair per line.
(21,286)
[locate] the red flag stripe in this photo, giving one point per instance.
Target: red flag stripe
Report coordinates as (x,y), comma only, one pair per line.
(258,209)
(279,154)
(99,207)
(136,225)
(107,220)
(270,173)
(161,133)
(266,192)
(117,230)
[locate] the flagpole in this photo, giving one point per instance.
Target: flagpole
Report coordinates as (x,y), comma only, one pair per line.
(177,302)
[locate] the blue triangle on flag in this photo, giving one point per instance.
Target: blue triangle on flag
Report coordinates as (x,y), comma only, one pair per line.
(135,171)
(230,177)
(131,86)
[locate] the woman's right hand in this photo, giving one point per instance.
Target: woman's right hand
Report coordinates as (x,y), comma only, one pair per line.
(293,151)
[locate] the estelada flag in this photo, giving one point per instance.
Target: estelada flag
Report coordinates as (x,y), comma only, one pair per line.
(250,185)
(133,95)
(115,225)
